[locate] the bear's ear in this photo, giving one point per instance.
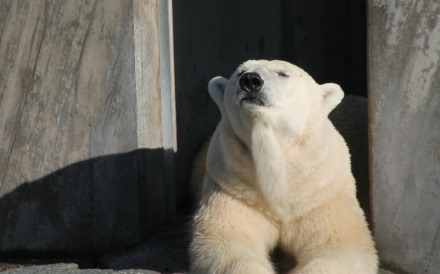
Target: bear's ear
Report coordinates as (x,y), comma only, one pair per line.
(332,95)
(216,88)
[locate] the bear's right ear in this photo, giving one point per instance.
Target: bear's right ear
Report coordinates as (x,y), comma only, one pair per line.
(216,88)
(332,95)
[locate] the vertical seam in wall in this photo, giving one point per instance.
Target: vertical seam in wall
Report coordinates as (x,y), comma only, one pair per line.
(139,157)
(22,106)
(139,164)
(91,165)
(167,91)
(166,51)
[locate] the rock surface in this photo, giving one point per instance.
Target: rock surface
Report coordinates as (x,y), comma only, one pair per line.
(69,269)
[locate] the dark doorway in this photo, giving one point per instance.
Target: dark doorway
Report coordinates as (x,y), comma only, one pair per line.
(325,38)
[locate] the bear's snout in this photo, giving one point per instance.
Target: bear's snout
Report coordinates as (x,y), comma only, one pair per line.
(251,82)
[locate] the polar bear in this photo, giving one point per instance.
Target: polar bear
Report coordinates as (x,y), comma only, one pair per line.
(350,118)
(278,174)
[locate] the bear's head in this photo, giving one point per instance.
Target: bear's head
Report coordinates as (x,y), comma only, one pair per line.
(273,94)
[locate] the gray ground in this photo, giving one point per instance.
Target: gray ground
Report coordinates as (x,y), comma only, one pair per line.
(68,269)
(164,252)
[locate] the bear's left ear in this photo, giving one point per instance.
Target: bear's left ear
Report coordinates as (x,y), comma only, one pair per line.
(216,88)
(332,95)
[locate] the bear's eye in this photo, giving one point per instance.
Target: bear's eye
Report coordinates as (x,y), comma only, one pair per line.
(282,73)
(241,73)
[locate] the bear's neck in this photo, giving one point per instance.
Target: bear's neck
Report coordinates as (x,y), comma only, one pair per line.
(269,160)
(285,167)
(281,172)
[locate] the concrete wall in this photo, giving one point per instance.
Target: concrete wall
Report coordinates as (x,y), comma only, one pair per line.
(82,149)
(404,69)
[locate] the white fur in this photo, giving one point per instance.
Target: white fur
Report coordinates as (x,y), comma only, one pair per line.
(279,174)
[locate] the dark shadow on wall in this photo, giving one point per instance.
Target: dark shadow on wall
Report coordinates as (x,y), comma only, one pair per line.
(88,208)
(328,39)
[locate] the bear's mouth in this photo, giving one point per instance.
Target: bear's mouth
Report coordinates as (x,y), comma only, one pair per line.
(251,101)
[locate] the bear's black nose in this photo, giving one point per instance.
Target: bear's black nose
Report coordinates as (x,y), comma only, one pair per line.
(251,82)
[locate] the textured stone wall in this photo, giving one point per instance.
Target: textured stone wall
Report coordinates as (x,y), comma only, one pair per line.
(404,78)
(81,144)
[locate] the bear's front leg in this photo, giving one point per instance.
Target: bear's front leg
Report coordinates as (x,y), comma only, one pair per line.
(231,237)
(335,238)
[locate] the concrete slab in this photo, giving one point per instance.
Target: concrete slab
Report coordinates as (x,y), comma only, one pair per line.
(166,252)
(69,269)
